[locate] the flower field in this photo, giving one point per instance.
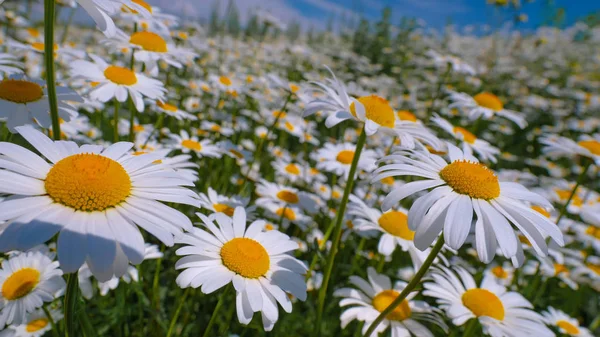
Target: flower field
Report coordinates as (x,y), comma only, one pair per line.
(161,177)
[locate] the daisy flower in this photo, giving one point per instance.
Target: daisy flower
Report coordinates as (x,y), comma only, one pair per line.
(565,323)
(370,297)
(501,273)
(188,144)
(100,10)
(117,82)
(214,127)
(292,172)
(25,102)
(217,203)
(255,261)
(485,105)
(27,281)
(557,146)
(461,189)
(470,142)
(501,313)
(287,214)
(173,111)
(283,195)
(36,324)
(337,158)
(95,197)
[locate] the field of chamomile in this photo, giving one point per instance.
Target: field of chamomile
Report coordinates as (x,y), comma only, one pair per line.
(169,177)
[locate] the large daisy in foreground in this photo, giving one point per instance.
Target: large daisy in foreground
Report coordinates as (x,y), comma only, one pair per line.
(461,188)
(95,197)
(255,261)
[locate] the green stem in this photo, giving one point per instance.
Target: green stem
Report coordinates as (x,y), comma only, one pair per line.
(71,295)
(538,295)
(580,180)
(337,232)
(595,324)
(69,22)
(411,285)
(132,111)
(116,121)
(51,320)
(439,89)
(176,315)
(471,327)
(214,315)
(49,15)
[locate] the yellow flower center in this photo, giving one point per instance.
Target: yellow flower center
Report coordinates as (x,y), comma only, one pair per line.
(472,179)
(289,126)
(215,127)
(467,136)
(560,268)
(385,298)
(288,196)
(294,88)
(149,42)
(499,272)
(40,46)
(568,327)
(20,283)
(286,213)
(565,194)
(139,2)
(483,302)
(593,231)
(88,182)
(541,210)
(36,325)
(489,100)
(377,109)
(138,128)
(591,145)
(222,208)
(594,267)
(191,144)
(225,81)
(120,75)
(166,106)
(33,32)
(292,169)
(396,223)
(407,116)
(345,157)
(245,257)
(388,181)
(20,91)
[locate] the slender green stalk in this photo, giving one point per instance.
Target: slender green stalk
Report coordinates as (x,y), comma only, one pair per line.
(215,313)
(176,315)
(63,39)
(411,285)
(471,327)
(132,111)
(49,15)
(51,320)
(71,295)
(541,291)
(337,231)
(116,121)
(86,325)
(443,81)
(580,181)
(595,324)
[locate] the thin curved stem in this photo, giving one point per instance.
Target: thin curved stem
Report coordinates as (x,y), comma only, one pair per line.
(471,327)
(411,285)
(49,15)
(213,317)
(51,320)
(580,180)
(176,315)
(337,231)
(71,295)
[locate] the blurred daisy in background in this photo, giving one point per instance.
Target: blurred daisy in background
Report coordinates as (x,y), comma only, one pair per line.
(484,105)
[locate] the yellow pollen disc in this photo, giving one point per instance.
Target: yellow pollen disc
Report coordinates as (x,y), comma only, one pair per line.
(236,153)
(294,88)
(225,81)
(138,2)
(40,46)
(279,114)
(20,283)
(407,116)
(467,136)
(591,145)
(489,100)
(560,268)
(88,182)
(292,169)
(288,196)
(593,231)
(594,267)
(222,208)
(245,257)
(388,181)
(377,109)
(336,195)
(120,75)
(166,106)
(286,213)
(20,91)
(396,223)
(541,210)
(33,32)
(385,298)
(149,42)
(269,227)
(483,302)
(191,144)
(472,179)
(289,126)
(36,325)
(565,194)
(215,127)
(524,240)
(499,272)
(345,157)
(568,327)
